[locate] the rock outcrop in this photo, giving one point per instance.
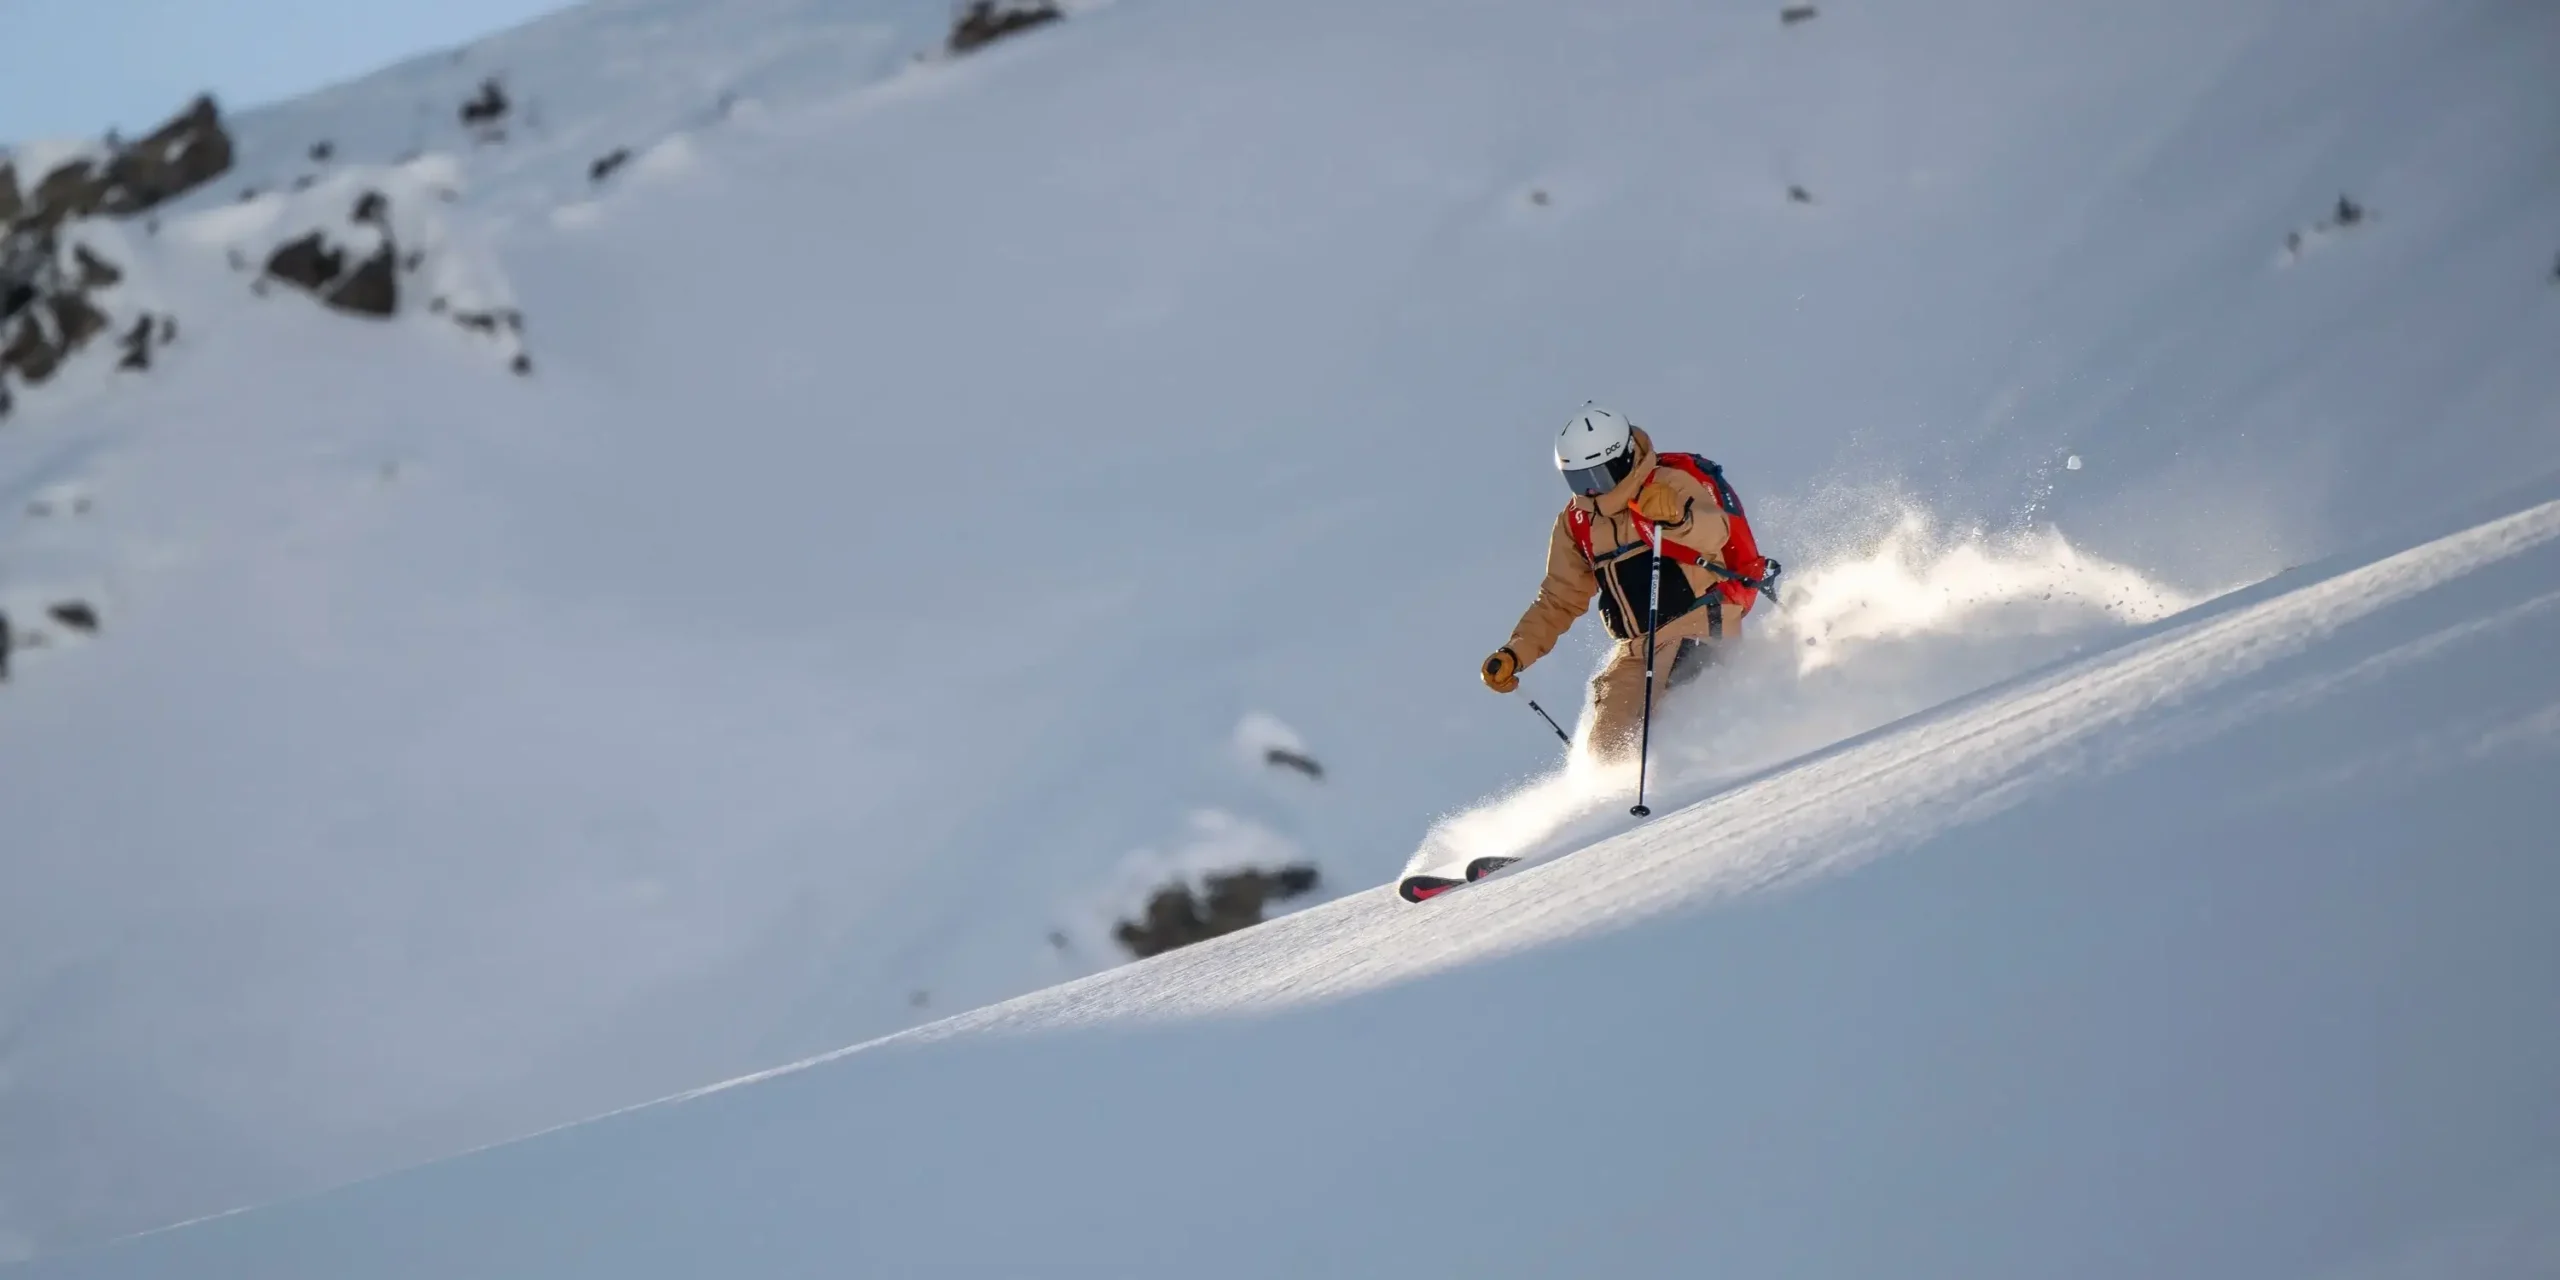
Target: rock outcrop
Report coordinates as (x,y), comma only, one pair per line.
(50,282)
(47,306)
(366,285)
(983,22)
(1178,915)
(373,242)
(189,151)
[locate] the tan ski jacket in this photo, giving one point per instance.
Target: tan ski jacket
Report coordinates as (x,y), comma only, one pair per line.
(1619,569)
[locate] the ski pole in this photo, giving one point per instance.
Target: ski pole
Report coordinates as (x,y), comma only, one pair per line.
(1561,735)
(1652,622)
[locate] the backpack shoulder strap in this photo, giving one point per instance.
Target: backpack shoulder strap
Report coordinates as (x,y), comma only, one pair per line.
(1709,474)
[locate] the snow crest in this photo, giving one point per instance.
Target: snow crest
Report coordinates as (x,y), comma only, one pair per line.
(1865,634)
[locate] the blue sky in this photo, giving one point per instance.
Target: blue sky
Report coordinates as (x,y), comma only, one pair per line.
(76,67)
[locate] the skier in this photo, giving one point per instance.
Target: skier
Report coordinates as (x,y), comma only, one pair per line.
(1603,543)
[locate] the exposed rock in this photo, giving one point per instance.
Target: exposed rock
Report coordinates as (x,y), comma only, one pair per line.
(136,345)
(26,265)
(77,319)
(1284,758)
(1176,916)
(486,107)
(608,162)
(76,614)
(308,262)
(312,264)
(95,272)
(176,158)
(371,207)
(73,190)
(983,22)
(372,289)
(490,322)
(1795,13)
(2345,215)
(322,151)
(190,150)
(1799,195)
(46,333)
(47,306)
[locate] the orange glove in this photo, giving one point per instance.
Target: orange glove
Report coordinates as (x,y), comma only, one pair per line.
(1502,670)
(1658,503)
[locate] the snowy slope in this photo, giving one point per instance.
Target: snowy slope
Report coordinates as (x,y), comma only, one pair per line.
(2224,952)
(467,753)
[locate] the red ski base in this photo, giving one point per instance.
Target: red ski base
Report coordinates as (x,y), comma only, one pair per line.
(1425,888)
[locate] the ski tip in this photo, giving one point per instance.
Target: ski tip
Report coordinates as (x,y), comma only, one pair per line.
(1482,867)
(1425,888)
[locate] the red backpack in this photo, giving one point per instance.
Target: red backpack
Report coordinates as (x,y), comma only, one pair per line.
(1745,571)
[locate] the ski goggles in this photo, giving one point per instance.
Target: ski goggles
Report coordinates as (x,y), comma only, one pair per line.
(1592,481)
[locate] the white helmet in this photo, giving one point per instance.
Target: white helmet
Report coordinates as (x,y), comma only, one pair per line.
(1595,451)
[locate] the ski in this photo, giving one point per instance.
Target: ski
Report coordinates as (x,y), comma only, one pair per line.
(1423,888)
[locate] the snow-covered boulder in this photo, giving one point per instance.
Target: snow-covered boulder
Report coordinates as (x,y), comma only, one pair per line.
(372,241)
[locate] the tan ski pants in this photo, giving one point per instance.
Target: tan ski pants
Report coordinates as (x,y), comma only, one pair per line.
(1682,653)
